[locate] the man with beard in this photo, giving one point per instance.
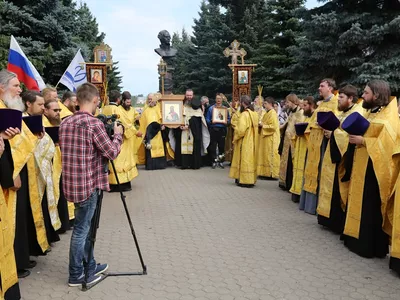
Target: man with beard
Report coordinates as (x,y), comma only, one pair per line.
(333,191)
(245,143)
(125,163)
(268,156)
(300,150)
(286,166)
(372,173)
(192,138)
(69,101)
(316,147)
(52,112)
(52,119)
(42,190)
(150,124)
(20,150)
(50,93)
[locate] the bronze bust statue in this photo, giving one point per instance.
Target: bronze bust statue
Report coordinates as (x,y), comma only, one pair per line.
(165,50)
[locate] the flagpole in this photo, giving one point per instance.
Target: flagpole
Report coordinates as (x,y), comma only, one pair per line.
(66,69)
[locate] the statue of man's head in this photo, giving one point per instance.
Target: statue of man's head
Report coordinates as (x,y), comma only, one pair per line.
(165,38)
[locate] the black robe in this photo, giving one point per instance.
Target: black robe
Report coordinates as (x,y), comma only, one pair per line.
(337,216)
(372,241)
(63,212)
(6,181)
(190,161)
(159,162)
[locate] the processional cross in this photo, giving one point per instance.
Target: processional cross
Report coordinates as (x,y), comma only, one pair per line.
(235,52)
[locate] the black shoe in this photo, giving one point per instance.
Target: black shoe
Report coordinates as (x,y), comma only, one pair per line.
(23,273)
(214,165)
(32,264)
(221,165)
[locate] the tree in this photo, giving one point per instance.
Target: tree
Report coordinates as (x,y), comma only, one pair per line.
(272,56)
(113,78)
(350,41)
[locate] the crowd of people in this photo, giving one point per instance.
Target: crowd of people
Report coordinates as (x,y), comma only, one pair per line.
(51,179)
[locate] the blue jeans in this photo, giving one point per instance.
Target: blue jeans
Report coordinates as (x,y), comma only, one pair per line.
(80,239)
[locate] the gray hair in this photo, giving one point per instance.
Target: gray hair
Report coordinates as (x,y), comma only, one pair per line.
(203,99)
(5,77)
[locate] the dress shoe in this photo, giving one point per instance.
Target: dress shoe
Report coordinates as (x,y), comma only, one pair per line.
(32,264)
(23,273)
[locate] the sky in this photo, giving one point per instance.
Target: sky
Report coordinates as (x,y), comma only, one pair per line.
(131,28)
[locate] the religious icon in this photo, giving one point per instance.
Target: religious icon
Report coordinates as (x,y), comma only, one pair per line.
(102,56)
(96,75)
(172,112)
(243,77)
(220,115)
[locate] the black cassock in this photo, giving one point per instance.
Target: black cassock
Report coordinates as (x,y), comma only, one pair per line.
(337,216)
(190,161)
(372,241)
(6,181)
(156,163)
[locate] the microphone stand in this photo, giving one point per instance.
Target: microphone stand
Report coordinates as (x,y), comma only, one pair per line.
(93,233)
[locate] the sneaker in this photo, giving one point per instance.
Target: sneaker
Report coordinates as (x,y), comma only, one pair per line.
(100,269)
(78,282)
(221,166)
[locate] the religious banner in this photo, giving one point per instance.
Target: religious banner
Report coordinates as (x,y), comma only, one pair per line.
(241,73)
(97,75)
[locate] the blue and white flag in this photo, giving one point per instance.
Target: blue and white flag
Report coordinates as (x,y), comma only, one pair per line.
(75,75)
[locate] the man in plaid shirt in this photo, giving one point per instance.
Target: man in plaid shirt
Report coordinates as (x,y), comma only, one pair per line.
(86,149)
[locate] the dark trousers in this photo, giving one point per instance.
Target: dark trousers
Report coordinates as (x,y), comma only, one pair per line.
(217,139)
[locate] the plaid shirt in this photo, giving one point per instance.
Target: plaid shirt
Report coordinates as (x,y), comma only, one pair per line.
(85,148)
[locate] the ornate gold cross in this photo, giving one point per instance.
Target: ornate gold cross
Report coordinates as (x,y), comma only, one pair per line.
(235,52)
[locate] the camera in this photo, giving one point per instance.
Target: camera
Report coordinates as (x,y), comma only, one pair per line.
(108,122)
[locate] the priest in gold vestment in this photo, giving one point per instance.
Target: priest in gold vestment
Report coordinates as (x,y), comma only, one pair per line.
(296,115)
(245,143)
(20,195)
(300,151)
(9,287)
(333,188)
(269,137)
(150,125)
(372,175)
(125,163)
(316,147)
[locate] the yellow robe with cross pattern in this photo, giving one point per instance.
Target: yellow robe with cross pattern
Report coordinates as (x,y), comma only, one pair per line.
(328,168)
(125,163)
(244,162)
(269,137)
(315,134)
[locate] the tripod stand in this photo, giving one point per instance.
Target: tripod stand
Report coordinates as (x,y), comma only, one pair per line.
(93,233)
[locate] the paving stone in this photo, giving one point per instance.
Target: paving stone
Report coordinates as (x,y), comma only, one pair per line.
(204,238)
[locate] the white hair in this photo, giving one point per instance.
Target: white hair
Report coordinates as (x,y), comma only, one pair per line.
(5,77)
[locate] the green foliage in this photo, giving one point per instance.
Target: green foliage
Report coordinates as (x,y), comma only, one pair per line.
(114,79)
(50,32)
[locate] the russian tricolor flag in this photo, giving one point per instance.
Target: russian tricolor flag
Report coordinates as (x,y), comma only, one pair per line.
(20,65)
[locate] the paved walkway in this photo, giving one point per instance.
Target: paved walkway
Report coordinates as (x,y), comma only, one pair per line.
(204,238)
